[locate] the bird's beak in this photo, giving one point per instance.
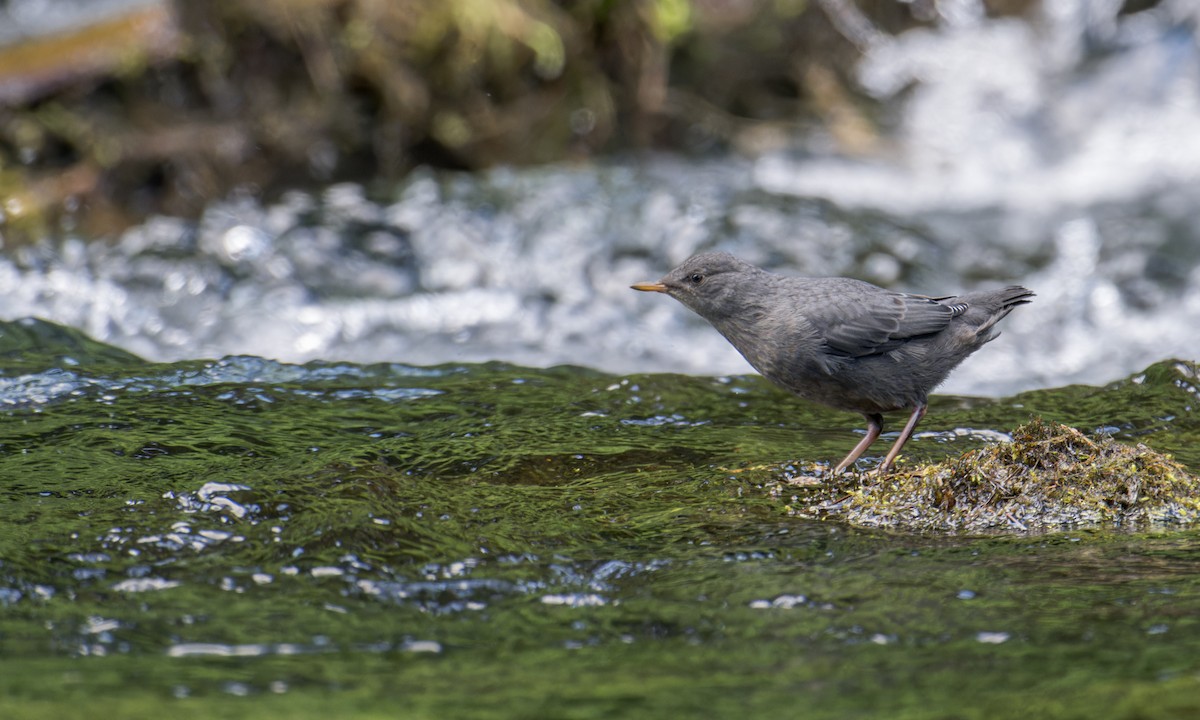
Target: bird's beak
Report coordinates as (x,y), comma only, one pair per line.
(650,287)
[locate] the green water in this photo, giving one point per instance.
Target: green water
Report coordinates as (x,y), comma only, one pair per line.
(248,539)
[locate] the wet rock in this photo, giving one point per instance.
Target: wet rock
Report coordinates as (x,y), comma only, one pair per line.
(1050,477)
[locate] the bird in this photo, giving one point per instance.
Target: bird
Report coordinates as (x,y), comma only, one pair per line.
(841,342)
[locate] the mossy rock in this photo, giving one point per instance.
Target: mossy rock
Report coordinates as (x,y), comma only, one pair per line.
(1050,477)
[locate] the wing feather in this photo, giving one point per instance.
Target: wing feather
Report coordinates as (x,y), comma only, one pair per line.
(858,319)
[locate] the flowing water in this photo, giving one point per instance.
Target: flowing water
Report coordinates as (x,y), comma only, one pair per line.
(441,470)
(244,536)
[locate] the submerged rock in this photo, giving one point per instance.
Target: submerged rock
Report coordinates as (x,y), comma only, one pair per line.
(1049,477)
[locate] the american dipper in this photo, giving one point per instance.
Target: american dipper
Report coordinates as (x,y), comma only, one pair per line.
(845,343)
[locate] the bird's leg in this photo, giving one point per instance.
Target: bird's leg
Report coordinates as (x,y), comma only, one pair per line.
(874,427)
(917,414)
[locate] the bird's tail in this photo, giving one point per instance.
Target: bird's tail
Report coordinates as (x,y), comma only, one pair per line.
(993,306)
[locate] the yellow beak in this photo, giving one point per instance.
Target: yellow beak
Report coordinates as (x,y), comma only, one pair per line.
(650,287)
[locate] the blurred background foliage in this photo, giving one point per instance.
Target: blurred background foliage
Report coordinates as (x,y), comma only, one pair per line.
(169,105)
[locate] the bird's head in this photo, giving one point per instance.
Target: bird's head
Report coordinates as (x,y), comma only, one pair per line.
(710,284)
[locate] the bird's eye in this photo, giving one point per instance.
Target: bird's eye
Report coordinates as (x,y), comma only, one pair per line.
(696,278)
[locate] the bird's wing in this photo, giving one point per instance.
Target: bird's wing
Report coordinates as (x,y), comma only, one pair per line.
(858,319)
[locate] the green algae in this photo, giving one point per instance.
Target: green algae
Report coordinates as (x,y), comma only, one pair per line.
(1049,477)
(241,538)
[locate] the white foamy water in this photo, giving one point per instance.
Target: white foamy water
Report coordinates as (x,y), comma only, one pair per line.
(1061,152)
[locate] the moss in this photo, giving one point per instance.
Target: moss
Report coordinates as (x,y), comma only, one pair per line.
(1049,477)
(167,107)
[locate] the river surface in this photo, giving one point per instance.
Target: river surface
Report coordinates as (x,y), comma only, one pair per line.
(241,537)
(420,451)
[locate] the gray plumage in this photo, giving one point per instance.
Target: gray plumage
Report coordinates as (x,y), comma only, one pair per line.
(841,342)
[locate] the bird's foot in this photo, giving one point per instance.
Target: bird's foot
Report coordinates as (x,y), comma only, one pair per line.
(853,469)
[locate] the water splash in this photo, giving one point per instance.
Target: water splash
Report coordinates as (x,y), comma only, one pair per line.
(1059,151)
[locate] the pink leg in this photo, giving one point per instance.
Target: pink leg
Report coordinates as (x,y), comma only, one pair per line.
(874,427)
(917,414)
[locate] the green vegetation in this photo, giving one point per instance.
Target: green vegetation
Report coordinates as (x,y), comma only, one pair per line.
(1050,477)
(178,103)
(241,538)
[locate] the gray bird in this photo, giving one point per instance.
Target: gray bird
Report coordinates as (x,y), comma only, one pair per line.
(844,343)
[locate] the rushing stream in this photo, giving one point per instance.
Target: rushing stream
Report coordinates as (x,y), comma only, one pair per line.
(451,466)
(1048,163)
(534,267)
(455,538)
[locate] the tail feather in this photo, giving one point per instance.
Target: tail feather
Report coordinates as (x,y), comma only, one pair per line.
(998,304)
